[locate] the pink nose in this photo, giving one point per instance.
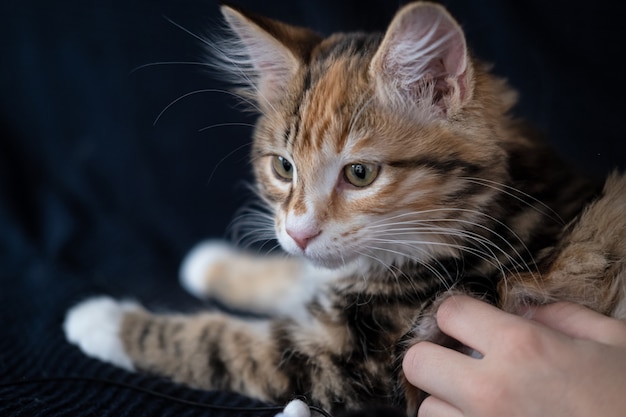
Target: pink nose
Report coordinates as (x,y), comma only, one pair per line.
(303,237)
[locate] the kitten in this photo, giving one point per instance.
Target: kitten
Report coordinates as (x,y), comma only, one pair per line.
(395,175)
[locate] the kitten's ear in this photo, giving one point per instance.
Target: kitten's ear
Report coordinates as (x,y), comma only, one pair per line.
(423,56)
(265,54)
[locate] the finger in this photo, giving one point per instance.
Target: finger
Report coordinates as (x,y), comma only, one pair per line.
(580,322)
(473,322)
(434,407)
(442,372)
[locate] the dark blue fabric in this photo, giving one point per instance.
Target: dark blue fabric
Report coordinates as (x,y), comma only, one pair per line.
(96,198)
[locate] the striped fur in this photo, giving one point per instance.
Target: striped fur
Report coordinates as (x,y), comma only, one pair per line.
(466,199)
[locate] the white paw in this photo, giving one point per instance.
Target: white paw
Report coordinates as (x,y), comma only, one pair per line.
(93,326)
(295,408)
(199,263)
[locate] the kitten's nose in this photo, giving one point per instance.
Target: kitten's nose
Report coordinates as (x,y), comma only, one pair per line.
(303,237)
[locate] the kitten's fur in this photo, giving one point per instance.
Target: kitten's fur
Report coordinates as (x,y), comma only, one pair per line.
(463,198)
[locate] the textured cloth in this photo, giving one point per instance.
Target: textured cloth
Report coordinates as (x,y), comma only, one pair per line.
(96,198)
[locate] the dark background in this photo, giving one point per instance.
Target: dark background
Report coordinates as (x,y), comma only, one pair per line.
(96,198)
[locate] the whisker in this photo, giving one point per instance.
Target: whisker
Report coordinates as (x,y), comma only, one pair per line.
(226,125)
(242,67)
(429,267)
(394,271)
(165,63)
(191,93)
(437,230)
(187,31)
(430,227)
(552,214)
(252,224)
(492,260)
(381,224)
(228,155)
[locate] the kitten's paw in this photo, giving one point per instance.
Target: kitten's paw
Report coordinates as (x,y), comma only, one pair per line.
(93,325)
(295,408)
(205,262)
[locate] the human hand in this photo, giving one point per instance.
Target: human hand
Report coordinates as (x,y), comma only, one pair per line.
(565,361)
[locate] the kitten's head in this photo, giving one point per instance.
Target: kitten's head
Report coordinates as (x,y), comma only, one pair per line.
(369,146)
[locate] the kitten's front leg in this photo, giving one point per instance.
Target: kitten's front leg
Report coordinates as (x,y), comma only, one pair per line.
(208,351)
(269,360)
(269,284)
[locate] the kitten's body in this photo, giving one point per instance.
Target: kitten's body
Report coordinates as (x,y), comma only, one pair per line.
(461,198)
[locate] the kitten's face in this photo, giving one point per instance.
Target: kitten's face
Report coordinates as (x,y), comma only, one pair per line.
(359,154)
(348,178)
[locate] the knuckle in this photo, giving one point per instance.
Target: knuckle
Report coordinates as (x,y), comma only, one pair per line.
(524,342)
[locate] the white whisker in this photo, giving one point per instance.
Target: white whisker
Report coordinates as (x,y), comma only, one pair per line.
(411,257)
(184,29)
(191,93)
(232,61)
(166,63)
(253,224)
(496,186)
(417,228)
(226,125)
(489,257)
(228,155)
(386,266)
(382,224)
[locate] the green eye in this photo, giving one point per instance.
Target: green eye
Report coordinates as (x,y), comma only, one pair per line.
(361,175)
(282,168)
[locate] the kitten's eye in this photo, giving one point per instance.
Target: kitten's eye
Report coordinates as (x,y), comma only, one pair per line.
(361,175)
(282,168)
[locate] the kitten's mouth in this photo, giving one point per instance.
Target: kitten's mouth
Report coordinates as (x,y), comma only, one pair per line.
(327,263)
(335,260)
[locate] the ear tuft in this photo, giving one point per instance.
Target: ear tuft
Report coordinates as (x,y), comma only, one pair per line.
(423,58)
(263,54)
